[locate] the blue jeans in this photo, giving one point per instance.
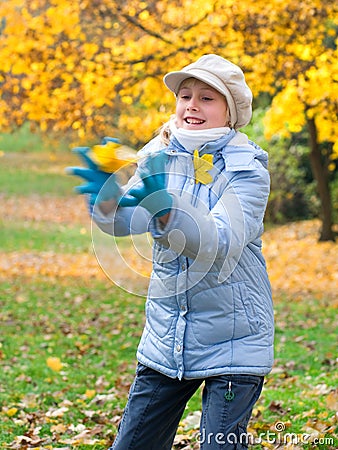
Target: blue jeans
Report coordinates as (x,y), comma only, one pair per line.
(156,404)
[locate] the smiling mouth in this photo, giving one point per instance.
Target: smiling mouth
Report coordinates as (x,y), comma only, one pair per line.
(193,121)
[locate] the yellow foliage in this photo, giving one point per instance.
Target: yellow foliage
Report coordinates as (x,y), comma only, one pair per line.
(202,166)
(286,114)
(310,95)
(107,62)
(54,363)
(298,263)
(112,156)
(90,393)
(10,412)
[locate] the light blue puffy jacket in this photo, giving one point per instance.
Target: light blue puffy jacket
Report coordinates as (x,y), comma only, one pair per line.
(209,308)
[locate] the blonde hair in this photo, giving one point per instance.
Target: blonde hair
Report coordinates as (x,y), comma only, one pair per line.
(165,133)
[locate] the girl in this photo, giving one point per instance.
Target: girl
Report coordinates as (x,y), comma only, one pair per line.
(201,189)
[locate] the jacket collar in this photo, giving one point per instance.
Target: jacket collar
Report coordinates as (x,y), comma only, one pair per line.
(211,147)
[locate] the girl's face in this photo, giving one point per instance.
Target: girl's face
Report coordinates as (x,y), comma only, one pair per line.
(200,107)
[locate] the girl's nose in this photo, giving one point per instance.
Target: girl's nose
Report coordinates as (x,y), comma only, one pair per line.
(192,105)
(192,108)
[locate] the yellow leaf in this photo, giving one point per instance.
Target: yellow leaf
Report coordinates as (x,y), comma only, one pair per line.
(127,99)
(112,156)
(58,412)
(59,428)
(54,363)
(90,393)
(144,15)
(11,412)
(267,445)
(202,167)
(332,400)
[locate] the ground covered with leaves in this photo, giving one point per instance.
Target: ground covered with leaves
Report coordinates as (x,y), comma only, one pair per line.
(69,335)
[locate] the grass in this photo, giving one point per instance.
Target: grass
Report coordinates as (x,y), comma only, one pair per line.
(21,141)
(94,337)
(37,173)
(22,182)
(93,328)
(305,346)
(32,235)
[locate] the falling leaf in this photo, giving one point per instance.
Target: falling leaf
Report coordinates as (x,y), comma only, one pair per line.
(202,165)
(54,363)
(112,156)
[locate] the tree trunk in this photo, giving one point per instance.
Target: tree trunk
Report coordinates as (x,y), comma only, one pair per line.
(321,176)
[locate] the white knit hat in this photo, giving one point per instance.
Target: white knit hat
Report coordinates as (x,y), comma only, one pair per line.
(225,77)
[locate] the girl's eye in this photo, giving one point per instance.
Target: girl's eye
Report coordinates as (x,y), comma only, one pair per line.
(208,99)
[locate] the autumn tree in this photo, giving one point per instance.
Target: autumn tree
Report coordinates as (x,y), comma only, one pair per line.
(304,70)
(93,67)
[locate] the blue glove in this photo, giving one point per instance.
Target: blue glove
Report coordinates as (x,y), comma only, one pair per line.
(151,194)
(107,139)
(97,187)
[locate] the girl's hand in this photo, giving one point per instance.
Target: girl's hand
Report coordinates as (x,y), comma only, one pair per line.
(152,193)
(100,186)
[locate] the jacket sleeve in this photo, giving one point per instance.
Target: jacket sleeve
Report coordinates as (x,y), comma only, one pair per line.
(235,220)
(123,221)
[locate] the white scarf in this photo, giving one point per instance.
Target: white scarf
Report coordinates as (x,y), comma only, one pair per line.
(194,139)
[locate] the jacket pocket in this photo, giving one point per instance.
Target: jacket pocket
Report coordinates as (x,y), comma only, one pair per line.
(223,313)
(161,309)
